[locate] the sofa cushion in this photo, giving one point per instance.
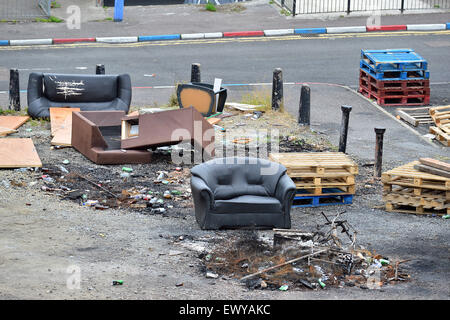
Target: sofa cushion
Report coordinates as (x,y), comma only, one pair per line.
(225,192)
(80,88)
(248,204)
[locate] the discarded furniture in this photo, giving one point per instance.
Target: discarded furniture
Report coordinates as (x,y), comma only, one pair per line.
(87,92)
(241,192)
(408,190)
(97,135)
(394,77)
(61,126)
(321,178)
(152,130)
(18,153)
(202,97)
(10,124)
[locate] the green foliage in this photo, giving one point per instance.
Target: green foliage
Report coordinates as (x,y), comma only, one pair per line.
(210,7)
(51,19)
(55,4)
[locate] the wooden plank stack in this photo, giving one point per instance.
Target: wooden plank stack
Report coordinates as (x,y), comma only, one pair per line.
(411,188)
(320,174)
(441,118)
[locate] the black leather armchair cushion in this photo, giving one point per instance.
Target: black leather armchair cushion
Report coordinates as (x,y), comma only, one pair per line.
(87,92)
(242,192)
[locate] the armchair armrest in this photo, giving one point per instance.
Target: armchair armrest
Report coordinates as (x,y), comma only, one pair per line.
(285,190)
(201,193)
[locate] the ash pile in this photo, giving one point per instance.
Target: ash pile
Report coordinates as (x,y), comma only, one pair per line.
(293,259)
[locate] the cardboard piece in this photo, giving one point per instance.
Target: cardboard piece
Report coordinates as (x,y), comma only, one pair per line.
(165,128)
(9,124)
(96,134)
(61,126)
(18,153)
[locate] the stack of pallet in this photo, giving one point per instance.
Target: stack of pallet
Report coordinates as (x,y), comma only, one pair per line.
(441,117)
(394,77)
(321,178)
(419,187)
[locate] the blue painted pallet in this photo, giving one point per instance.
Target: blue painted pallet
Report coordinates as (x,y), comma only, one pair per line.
(305,199)
(394,60)
(395,75)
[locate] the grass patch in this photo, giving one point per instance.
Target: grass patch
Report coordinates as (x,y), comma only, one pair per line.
(51,19)
(285,12)
(210,7)
(109,19)
(260,97)
(55,4)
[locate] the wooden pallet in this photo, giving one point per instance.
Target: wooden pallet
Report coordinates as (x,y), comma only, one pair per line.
(440,115)
(316,164)
(417,201)
(321,189)
(407,176)
(391,207)
(425,193)
(415,116)
(441,136)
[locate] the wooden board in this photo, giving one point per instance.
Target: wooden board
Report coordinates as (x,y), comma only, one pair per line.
(406,175)
(428,169)
(18,153)
(8,123)
(440,115)
(61,126)
(316,164)
(435,163)
(441,136)
(213,121)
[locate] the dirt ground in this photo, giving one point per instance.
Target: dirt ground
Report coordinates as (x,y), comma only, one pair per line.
(54,247)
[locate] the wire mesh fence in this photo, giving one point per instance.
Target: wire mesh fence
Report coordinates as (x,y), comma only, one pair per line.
(332,6)
(24,9)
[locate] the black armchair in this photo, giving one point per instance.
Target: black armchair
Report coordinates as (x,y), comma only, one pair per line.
(242,192)
(87,92)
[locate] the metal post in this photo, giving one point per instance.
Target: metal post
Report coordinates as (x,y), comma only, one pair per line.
(118,10)
(100,69)
(277,89)
(14,90)
(294,5)
(348,6)
(344,127)
(195,73)
(378,151)
(304,106)
(403,6)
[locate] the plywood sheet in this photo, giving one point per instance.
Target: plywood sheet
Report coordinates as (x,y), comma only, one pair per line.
(61,126)
(18,153)
(9,124)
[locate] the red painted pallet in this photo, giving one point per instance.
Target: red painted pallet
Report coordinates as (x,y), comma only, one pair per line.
(394,92)
(396,84)
(412,100)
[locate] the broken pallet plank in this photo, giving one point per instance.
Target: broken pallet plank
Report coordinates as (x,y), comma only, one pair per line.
(441,136)
(425,168)
(435,163)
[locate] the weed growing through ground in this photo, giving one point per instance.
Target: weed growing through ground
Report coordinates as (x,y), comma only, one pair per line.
(210,7)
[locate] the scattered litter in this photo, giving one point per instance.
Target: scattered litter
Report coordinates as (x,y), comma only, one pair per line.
(126,169)
(117,282)
(284,288)
(212,275)
(66,161)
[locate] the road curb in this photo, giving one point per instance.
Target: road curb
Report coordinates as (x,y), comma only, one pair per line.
(212,35)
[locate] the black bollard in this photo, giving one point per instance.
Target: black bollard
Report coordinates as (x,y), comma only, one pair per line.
(344,127)
(195,73)
(379,151)
(100,69)
(277,89)
(14,90)
(304,106)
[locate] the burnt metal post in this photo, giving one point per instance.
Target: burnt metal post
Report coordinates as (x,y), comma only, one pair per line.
(304,115)
(195,73)
(277,89)
(100,69)
(14,90)
(378,151)
(344,127)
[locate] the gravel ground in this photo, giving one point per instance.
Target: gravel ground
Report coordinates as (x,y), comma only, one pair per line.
(47,242)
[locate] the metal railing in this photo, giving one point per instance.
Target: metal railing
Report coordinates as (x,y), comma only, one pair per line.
(24,9)
(296,7)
